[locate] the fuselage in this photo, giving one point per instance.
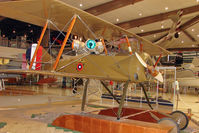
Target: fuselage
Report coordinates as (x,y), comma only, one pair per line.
(117,68)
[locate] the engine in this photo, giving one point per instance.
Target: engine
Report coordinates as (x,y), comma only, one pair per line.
(90,46)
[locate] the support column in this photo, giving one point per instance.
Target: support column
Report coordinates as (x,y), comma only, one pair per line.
(1,88)
(110,92)
(64,42)
(84,95)
(122,100)
(3,84)
(39,42)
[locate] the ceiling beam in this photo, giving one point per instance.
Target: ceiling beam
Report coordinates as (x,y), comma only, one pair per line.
(156,18)
(109,6)
(190,23)
(184,49)
(153,32)
(182,28)
(189,36)
(187,25)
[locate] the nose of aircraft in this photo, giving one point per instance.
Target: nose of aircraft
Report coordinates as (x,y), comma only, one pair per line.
(156,74)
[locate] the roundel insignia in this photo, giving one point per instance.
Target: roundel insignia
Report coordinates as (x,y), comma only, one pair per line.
(91,44)
(79,66)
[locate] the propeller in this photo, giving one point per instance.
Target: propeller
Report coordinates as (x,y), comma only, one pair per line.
(156,74)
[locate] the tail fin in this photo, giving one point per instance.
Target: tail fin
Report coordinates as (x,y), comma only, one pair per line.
(42,57)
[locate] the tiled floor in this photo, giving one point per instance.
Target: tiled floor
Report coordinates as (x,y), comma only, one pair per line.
(51,102)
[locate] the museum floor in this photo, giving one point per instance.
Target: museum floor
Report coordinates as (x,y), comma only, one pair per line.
(33,113)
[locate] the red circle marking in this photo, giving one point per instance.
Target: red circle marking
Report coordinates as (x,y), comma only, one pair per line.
(79,66)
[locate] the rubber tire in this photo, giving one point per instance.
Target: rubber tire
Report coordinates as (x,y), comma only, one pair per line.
(176,129)
(183,114)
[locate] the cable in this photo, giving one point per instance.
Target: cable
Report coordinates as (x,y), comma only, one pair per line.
(60,32)
(87,27)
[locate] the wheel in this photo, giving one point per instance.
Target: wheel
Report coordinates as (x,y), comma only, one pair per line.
(181,119)
(169,122)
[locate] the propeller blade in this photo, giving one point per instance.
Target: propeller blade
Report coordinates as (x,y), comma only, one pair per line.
(141,60)
(159,77)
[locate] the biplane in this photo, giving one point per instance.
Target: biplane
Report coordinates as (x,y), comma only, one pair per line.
(173,32)
(92,36)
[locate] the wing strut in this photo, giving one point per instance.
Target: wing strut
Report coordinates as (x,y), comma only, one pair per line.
(129,45)
(84,95)
(64,42)
(110,92)
(122,100)
(146,96)
(157,60)
(105,50)
(39,42)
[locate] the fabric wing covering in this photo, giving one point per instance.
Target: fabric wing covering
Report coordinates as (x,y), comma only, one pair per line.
(39,11)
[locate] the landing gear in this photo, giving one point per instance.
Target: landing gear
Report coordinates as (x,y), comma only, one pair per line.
(180,118)
(177,119)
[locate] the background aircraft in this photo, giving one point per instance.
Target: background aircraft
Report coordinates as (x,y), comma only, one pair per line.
(189,72)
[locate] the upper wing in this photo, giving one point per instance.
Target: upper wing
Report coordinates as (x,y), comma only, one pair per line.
(38,11)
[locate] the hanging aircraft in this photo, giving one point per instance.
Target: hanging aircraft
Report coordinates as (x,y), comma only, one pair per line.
(173,32)
(92,33)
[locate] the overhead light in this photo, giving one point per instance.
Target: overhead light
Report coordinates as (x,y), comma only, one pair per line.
(193,30)
(193,45)
(182,41)
(75,37)
(198,35)
(117,20)
(154,35)
(4,36)
(166,8)
(80,4)
(140,14)
(162,26)
(14,31)
(142,30)
(197,0)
